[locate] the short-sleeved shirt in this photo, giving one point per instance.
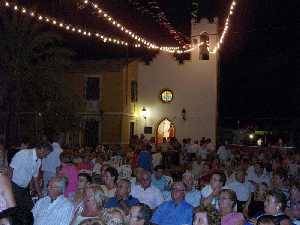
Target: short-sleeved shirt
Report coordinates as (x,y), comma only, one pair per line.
(26,165)
(150,196)
(114,203)
(170,213)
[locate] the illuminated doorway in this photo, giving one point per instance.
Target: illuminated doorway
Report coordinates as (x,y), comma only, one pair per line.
(165,129)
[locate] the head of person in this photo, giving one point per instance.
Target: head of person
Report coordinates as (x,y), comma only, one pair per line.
(164,140)
(240,175)
(103,169)
(188,181)
(114,216)
(275,202)
(279,178)
(261,191)
(265,220)
(110,176)
(158,171)
(295,191)
(84,179)
(57,186)
(140,215)
(178,191)
(217,180)
(145,180)
(123,189)
(65,157)
(93,197)
(228,200)
(43,149)
(206,216)
(258,168)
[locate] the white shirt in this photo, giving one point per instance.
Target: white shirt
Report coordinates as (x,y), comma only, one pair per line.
(58,212)
(223,153)
(52,161)
(26,165)
(206,191)
(242,190)
(252,176)
(152,196)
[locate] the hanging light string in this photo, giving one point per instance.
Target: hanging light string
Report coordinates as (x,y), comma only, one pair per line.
(137,37)
(153,9)
(226,27)
(59,24)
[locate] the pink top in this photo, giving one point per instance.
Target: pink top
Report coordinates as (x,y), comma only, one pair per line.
(70,171)
(233,219)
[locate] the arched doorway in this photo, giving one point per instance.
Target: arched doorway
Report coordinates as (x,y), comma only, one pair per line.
(165,129)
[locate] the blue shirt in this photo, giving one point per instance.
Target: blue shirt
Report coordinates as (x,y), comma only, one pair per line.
(145,160)
(114,203)
(193,197)
(161,184)
(168,213)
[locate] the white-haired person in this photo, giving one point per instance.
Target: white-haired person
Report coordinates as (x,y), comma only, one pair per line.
(93,202)
(54,209)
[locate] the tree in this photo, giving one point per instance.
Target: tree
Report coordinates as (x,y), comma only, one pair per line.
(32,62)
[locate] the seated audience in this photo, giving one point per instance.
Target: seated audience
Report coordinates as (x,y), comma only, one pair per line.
(93,202)
(158,180)
(147,193)
(176,211)
(140,215)
(228,203)
(211,192)
(206,216)
(122,198)
(110,179)
(54,209)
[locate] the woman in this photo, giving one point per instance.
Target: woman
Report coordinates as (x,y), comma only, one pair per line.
(275,205)
(255,205)
(206,216)
(93,202)
(113,216)
(228,202)
(110,179)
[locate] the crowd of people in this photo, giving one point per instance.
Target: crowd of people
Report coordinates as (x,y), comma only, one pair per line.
(170,183)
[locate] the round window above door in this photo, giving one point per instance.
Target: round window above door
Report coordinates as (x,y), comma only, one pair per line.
(166,96)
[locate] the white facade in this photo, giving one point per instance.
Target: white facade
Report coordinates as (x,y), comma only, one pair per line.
(193,83)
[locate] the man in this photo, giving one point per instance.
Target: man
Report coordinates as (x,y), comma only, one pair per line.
(122,198)
(242,188)
(140,215)
(192,195)
(146,193)
(176,211)
(51,162)
(212,191)
(158,180)
(54,209)
(25,167)
(256,174)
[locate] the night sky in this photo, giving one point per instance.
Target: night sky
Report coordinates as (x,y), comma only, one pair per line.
(259,69)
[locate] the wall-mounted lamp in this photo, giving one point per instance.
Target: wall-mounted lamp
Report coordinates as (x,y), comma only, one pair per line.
(145,113)
(183,114)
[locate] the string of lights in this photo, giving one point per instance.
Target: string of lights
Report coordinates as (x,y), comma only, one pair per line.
(59,24)
(153,9)
(226,28)
(137,37)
